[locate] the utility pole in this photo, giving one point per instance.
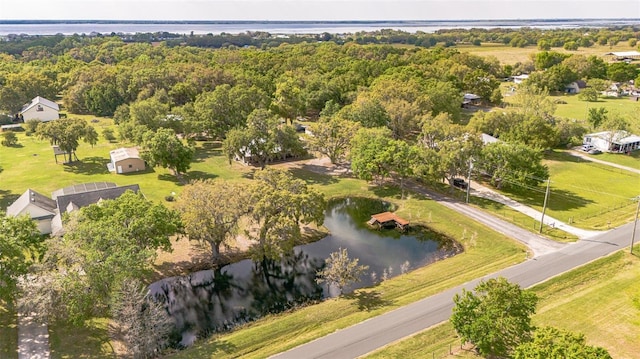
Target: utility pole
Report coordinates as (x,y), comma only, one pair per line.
(544,206)
(635,222)
(469,178)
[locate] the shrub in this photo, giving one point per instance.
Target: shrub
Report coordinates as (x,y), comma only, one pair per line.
(108,135)
(9,139)
(32,125)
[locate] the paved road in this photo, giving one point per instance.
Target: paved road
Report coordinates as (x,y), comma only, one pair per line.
(377,332)
(33,337)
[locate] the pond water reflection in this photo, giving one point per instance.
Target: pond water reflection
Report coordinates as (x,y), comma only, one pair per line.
(220,299)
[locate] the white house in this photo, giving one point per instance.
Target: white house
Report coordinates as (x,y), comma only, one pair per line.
(48,212)
(42,109)
(38,207)
(612,141)
(125,160)
(520,78)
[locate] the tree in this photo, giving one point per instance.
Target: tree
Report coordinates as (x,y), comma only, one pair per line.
(331,137)
(66,133)
(507,163)
(597,116)
(554,343)
(20,243)
(532,100)
(9,139)
(546,59)
(621,72)
(340,270)
(368,160)
(279,205)
(108,135)
(143,323)
(210,211)
(495,316)
(103,245)
(164,149)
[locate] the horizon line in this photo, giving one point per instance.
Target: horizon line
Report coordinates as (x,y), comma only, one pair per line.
(9,21)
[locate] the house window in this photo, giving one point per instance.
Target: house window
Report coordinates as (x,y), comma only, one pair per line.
(130,166)
(39,108)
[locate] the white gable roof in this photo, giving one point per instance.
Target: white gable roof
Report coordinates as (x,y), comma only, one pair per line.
(124,153)
(41,101)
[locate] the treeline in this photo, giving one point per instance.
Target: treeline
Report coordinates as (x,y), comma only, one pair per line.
(545,39)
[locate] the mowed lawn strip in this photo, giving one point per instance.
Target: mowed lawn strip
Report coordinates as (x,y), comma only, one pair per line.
(485,252)
(8,331)
(600,300)
(582,193)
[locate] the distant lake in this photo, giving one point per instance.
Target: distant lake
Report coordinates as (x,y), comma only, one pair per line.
(283,27)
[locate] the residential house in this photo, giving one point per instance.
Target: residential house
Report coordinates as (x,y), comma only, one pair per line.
(575,86)
(612,141)
(125,160)
(42,109)
(39,208)
(48,212)
(520,79)
(470,99)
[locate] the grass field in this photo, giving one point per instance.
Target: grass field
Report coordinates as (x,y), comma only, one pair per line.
(621,106)
(508,55)
(582,193)
(32,165)
(600,299)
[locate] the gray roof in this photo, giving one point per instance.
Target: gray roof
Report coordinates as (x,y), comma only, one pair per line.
(42,101)
(31,196)
(83,199)
(83,187)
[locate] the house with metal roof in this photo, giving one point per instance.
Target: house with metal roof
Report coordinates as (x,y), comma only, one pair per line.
(48,212)
(41,109)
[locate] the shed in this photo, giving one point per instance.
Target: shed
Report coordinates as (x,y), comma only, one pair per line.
(41,109)
(125,160)
(575,86)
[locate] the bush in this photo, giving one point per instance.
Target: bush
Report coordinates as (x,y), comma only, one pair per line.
(9,139)
(588,94)
(32,125)
(108,135)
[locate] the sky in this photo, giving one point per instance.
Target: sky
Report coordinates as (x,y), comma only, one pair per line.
(315,9)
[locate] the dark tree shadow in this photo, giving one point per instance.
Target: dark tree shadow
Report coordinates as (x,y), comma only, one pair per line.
(387,190)
(88,166)
(208,150)
(199,175)
(369,300)
(6,198)
(16,145)
(169,178)
(312,176)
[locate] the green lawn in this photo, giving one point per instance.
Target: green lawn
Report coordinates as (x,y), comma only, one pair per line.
(582,193)
(32,165)
(632,160)
(8,332)
(579,110)
(600,299)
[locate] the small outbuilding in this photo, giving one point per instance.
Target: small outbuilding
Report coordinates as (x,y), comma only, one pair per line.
(41,109)
(575,87)
(125,160)
(388,219)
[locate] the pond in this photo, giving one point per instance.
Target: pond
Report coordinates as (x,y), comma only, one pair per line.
(216,300)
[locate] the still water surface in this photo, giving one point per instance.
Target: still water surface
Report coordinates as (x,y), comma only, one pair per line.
(215,300)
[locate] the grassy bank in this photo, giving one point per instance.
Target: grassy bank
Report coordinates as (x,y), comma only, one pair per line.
(599,299)
(485,252)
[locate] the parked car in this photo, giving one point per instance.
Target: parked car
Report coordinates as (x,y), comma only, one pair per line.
(460,183)
(587,148)
(594,151)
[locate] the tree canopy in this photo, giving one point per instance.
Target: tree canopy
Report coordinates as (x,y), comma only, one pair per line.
(495,316)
